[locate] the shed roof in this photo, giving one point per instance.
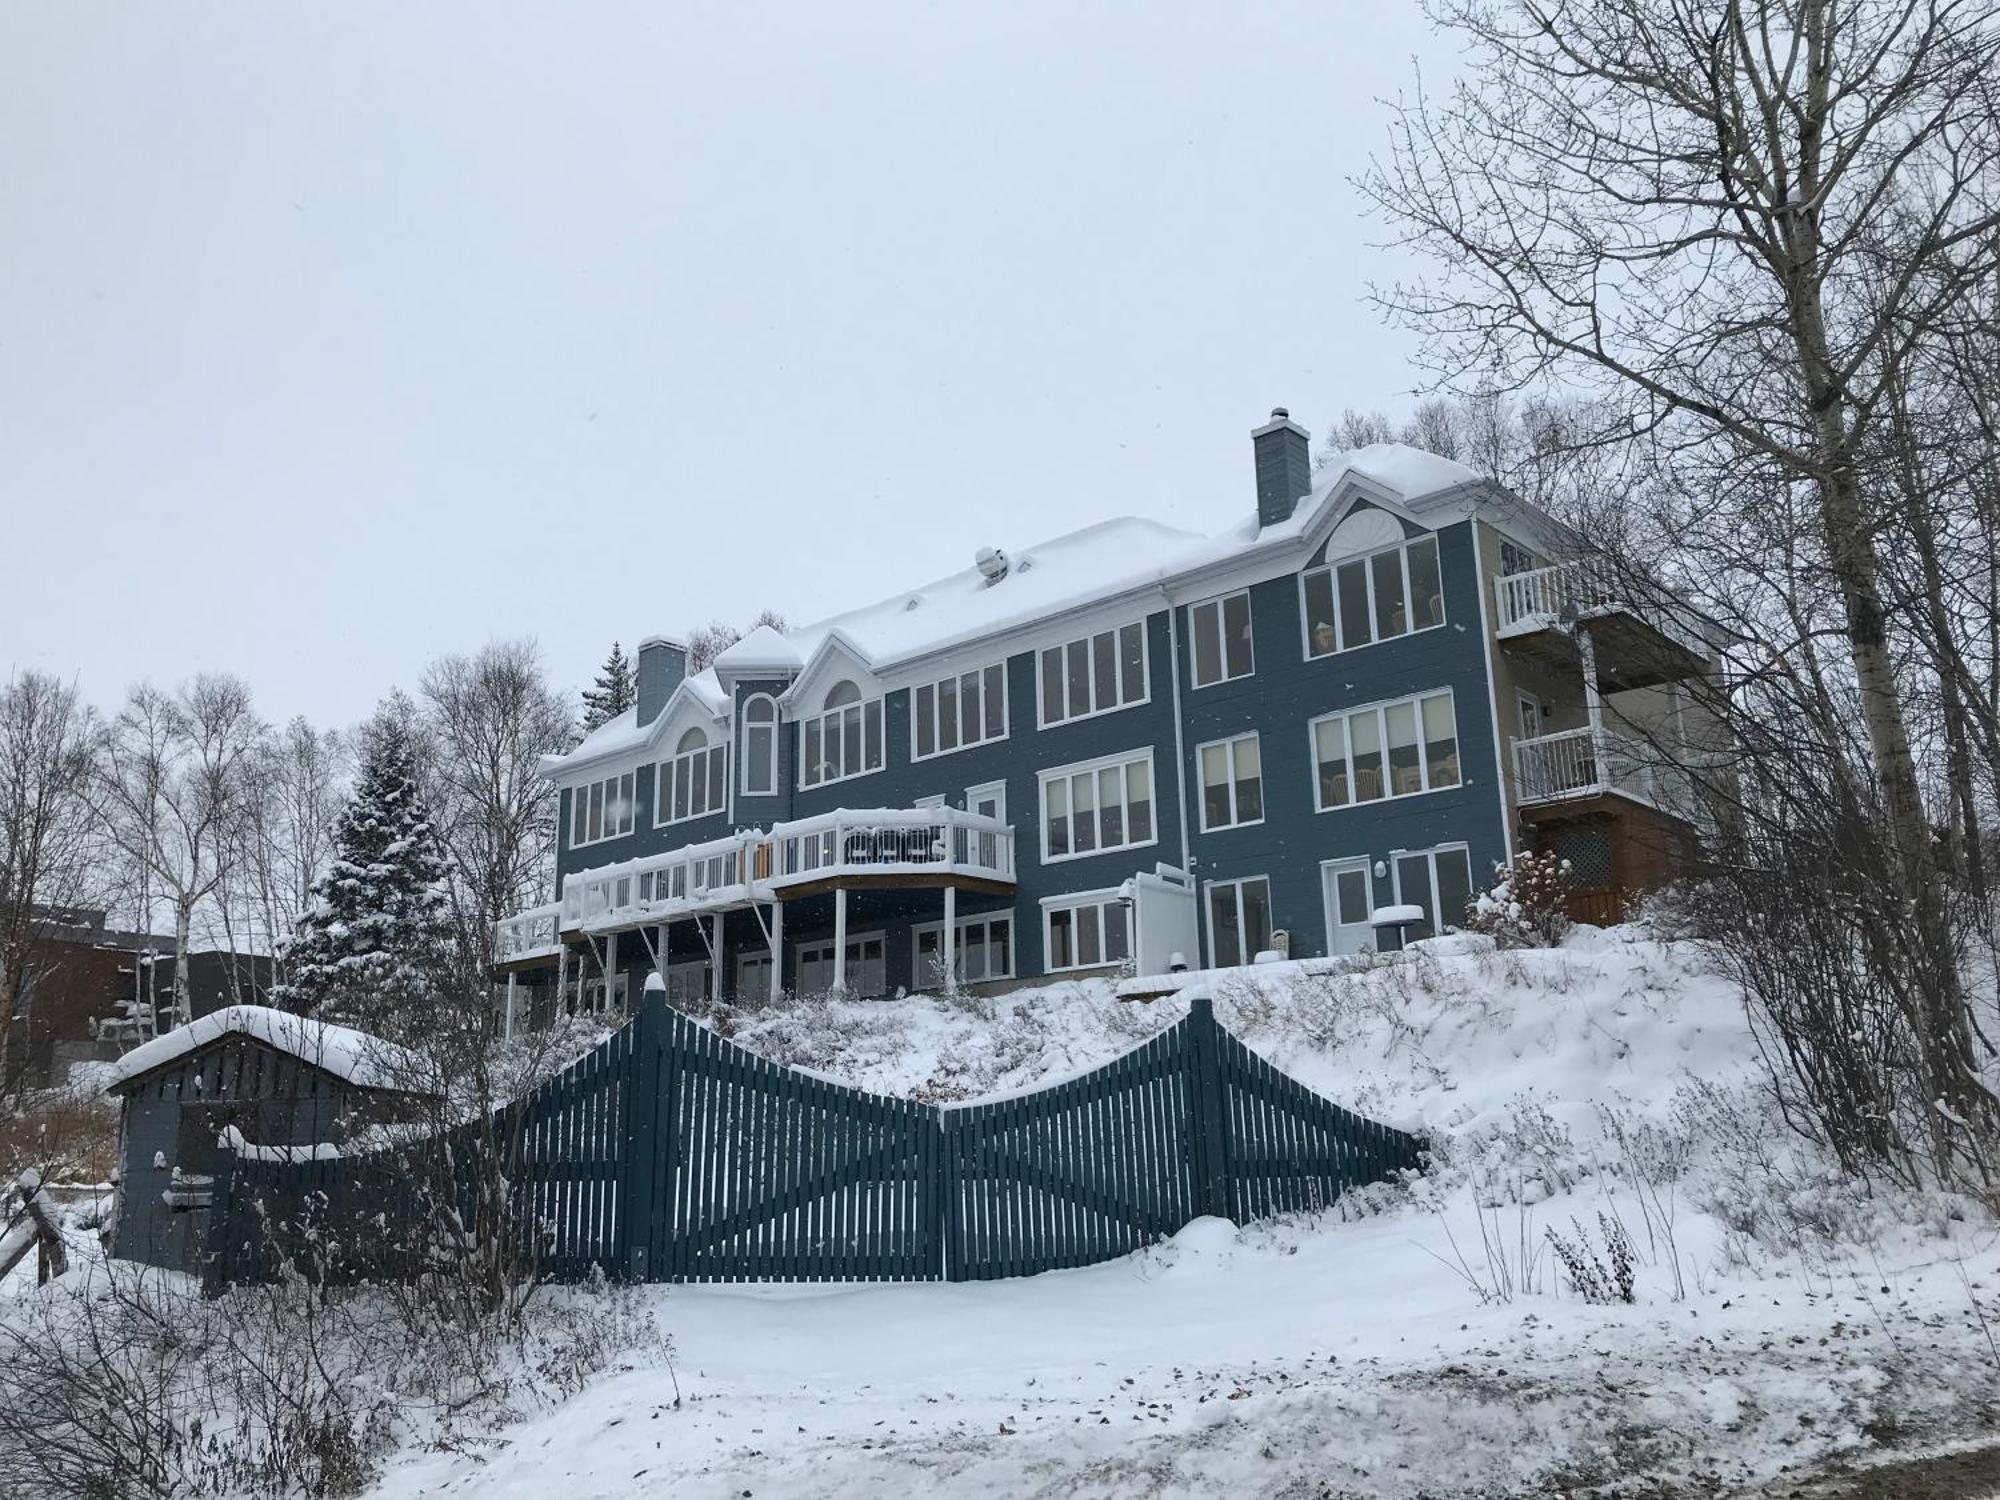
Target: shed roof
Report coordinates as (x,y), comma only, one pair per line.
(355,1057)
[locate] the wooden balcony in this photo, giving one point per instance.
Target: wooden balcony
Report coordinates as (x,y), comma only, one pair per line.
(853,849)
(1555,774)
(1640,642)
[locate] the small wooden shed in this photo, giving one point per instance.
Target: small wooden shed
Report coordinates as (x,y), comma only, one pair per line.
(277,1078)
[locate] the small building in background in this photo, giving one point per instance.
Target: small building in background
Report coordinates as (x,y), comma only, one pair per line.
(275,1078)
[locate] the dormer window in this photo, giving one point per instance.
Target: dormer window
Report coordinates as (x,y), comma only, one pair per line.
(692,783)
(843,739)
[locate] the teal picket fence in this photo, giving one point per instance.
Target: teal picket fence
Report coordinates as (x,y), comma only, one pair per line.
(671,1154)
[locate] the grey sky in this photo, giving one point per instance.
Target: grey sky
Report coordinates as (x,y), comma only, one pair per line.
(335,337)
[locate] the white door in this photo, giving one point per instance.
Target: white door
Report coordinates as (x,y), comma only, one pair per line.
(1347,906)
(1531,717)
(753,977)
(988,801)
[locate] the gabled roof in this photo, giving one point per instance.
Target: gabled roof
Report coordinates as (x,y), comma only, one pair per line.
(624,733)
(1109,560)
(356,1057)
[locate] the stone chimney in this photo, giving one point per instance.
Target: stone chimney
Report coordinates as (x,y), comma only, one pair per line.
(1284,467)
(663,665)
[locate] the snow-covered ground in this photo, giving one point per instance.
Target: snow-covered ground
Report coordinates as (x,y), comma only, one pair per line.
(1413,1342)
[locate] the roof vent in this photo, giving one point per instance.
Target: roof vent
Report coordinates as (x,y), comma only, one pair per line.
(915,601)
(992,564)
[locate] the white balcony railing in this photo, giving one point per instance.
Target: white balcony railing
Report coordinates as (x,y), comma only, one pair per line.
(1589,763)
(527,934)
(1584,587)
(893,841)
(754,865)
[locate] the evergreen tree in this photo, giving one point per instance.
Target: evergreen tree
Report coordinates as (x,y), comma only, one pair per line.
(613,692)
(373,948)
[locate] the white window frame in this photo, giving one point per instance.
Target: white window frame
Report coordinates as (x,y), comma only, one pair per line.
(746,761)
(982,919)
(984,676)
(1367,560)
(579,798)
(1124,758)
(1076,901)
(680,764)
(1429,856)
(1381,712)
(1116,632)
(1235,883)
(1229,744)
(826,945)
(1219,605)
(821,718)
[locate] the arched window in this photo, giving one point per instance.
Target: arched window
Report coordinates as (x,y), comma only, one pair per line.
(760,746)
(844,739)
(691,785)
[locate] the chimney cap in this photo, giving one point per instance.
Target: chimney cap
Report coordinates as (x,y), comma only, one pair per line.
(662,640)
(1279,414)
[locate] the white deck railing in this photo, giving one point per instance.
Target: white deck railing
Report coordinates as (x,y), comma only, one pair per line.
(1590,763)
(1587,586)
(754,865)
(527,934)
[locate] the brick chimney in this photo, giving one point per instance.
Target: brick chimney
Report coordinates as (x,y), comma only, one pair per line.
(1284,467)
(663,665)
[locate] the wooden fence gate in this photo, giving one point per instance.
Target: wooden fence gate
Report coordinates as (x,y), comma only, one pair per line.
(670,1154)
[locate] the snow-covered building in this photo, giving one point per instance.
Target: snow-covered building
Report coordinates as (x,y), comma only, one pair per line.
(1126,747)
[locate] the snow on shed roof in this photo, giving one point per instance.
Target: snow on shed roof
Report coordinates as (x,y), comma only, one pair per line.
(365,1061)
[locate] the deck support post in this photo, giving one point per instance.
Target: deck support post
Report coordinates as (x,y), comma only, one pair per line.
(948,948)
(714,959)
(839,987)
(507,1020)
(610,967)
(1586,649)
(562,974)
(777,951)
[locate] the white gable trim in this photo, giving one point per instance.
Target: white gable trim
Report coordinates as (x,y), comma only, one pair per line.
(837,657)
(684,709)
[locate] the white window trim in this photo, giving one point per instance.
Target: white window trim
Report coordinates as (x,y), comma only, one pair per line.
(931,685)
(820,718)
(1229,742)
(743,738)
(995,789)
(1208,890)
(1077,768)
(1430,852)
(1005,914)
(1145,675)
(1381,707)
(1367,559)
(1070,902)
(660,800)
(583,789)
(1222,644)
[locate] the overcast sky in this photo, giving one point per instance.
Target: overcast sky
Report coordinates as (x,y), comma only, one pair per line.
(336,337)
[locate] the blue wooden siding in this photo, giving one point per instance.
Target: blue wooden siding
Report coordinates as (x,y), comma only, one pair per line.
(1279,700)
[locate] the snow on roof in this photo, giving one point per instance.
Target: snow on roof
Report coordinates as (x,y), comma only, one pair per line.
(763,649)
(1100,562)
(365,1061)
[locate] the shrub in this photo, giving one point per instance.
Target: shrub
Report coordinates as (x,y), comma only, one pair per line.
(1528,905)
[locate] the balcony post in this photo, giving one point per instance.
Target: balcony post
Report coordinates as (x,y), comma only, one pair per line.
(562,973)
(507,1021)
(839,987)
(1586,648)
(777,951)
(714,959)
(610,965)
(949,946)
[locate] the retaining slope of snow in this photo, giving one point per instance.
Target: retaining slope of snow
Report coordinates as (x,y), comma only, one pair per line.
(1411,1342)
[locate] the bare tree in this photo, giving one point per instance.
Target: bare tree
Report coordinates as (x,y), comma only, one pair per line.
(1737,225)
(291,801)
(706,642)
(170,792)
(489,719)
(46,846)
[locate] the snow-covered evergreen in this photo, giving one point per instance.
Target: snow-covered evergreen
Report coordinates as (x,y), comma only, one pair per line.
(378,932)
(612,693)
